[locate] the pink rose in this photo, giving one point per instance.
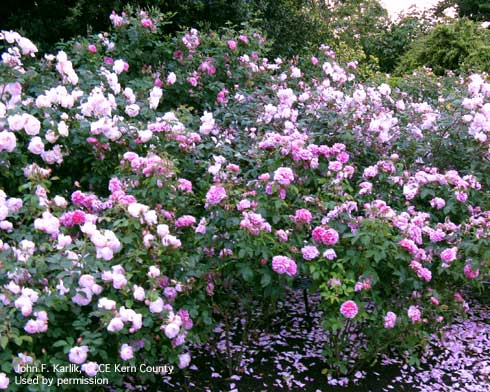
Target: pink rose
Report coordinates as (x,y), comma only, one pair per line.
(4,381)
(302,216)
(349,309)
(90,368)
(449,255)
(231,44)
(390,320)
(145,22)
(310,252)
(78,355)
(284,265)
(284,176)
(215,195)
(126,352)
(414,314)
(470,273)
(438,203)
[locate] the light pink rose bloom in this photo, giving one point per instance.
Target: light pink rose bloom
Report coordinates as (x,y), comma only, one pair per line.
(215,195)
(171,330)
(32,327)
(16,122)
(116,324)
(119,281)
(330,254)
(90,368)
(414,314)
(156,306)
(153,271)
(83,297)
(171,78)
(32,125)
(438,203)
(310,252)
(78,355)
(282,235)
(8,141)
(36,145)
(126,352)
(107,304)
(4,381)
(284,265)
(184,360)
(86,281)
(461,197)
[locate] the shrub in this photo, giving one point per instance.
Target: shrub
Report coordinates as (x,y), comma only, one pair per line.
(461,46)
(141,206)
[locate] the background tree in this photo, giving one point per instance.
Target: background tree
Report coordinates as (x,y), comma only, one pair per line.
(48,21)
(472,9)
(393,41)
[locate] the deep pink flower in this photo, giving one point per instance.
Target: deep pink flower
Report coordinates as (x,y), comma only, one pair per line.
(185,221)
(349,309)
(231,44)
(78,217)
(449,255)
(470,273)
(390,320)
(409,245)
(325,236)
(461,196)
(302,216)
(185,185)
(145,22)
(178,55)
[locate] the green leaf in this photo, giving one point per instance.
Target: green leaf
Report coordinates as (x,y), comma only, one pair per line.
(266,279)
(4,341)
(246,272)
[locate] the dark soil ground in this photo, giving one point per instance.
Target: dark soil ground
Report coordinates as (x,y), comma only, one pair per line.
(289,357)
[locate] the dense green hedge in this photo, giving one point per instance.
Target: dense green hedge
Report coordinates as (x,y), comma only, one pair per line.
(462,46)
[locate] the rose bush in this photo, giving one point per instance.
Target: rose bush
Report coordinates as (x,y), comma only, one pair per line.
(154,187)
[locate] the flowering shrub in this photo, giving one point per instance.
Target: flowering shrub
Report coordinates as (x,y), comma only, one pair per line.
(143,204)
